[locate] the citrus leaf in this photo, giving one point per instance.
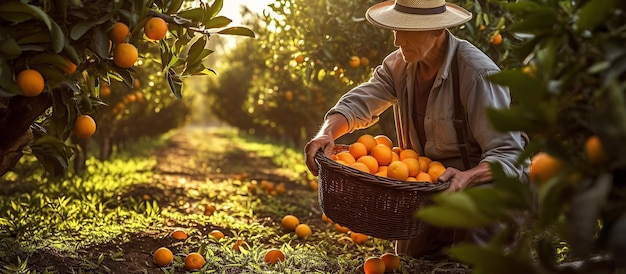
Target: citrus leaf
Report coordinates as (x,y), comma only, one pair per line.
(485,260)
(196,49)
(195,15)
(175,83)
(454,210)
(215,8)
(9,48)
(217,22)
(595,12)
(241,31)
(81,28)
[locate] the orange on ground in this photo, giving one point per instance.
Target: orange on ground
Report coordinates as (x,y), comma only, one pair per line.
(496,39)
(118,33)
(413,165)
(370,162)
(84,126)
(424,163)
(544,167)
(408,153)
(354,61)
(290,222)
(383,139)
(273,255)
(125,55)
(360,166)
(368,140)
(358,238)
(374,265)
(346,157)
(194,261)
(424,177)
(326,219)
(392,262)
(217,234)
(382,153)
(155,28)
(303,231)
(163,257)
(341,228)
(209,210)
(238,244)
(357,150)
(30,82)
(398,170)
(280,188)
(179,234)
(70,67)
(594,152)
(299,59)
(435,171)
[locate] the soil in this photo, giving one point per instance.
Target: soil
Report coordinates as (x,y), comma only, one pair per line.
(173,164)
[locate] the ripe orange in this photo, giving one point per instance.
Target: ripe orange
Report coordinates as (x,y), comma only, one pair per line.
(374,265)
(594,152)
(424,177)
(155,28)
(496,39)
(408,153)
(209,210)
(273,255)
(370,162)
(30,82)
(280,188)
(136,83)
(139,96)
(365,61)
(398,170)
(163,257)
(411,179)
(413,165)
(424,163)
(125,55)
(383,139)
(354,61)
(70,67)
(118,33)
(84,126)
(341,228)
(299,59)
(346,157)
(357,150)
(303,231)
(290,222)
(358,238)
(360,166)
(397,150)
(435,163)
(105,90)
(544,167)
(237,245)
(368,140)
(392,262)
(216,234)
(194,261)
(179,234)
(435,171)
(383,154)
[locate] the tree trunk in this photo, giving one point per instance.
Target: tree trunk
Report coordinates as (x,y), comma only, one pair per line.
(80,161)
(15,122)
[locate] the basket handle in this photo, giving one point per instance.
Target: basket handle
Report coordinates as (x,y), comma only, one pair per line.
(399,128)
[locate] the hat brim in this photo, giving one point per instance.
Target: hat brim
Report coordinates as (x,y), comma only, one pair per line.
(385,16)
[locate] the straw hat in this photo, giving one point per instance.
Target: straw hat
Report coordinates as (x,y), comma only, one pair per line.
(417,15)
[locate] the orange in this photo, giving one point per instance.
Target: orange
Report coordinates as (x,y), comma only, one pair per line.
(368,140)
(130,98)
(346,157)
(408,153)
(360,166)
(118,33)
(179,234)
(84,126)
(594,152)
(435,171)
(392,262)
(411,179)
(382,169)
(216,234)
(374,265)
(194,261)
(139,96)
(354,61)
(136,83)
(397,150)
(370,162)
(424,177)
(155,28)
(163,257)
(544,167)
(105,90)
(383,139)
(413,165)
(326,219)
(70,67)
(424,163)
(358,238)
(435,163)
(341,228)
(238,244)
(299,59)
(125,55)
(290,222)
(357,150)
(30,82)
(395,156)
(280,188)
(365,61)
(209,210)
(273,255)
(381,173)
(303,231)
(496,39)
(382,153)
(398,170)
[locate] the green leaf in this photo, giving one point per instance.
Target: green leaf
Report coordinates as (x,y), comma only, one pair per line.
(196,49)
(541,21)
(490,261)
(48,58)
(215,8)
(595,12)
(516,119)
(58,38)
(174,6)
(195,15)
(217,22)
(175,83)
(80,29)
(100,43)
(9,48)
(456,210)
(241,31)
(526,89)
(35,38)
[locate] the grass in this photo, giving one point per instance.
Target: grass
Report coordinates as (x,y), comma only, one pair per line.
(121,210)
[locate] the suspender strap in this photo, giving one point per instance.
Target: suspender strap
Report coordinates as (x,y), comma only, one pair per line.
(459,114)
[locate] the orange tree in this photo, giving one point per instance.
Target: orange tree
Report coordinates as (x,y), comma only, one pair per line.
(56,56)
(570,99)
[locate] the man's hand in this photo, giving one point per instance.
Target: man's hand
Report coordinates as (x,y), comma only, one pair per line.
(324,142)
(461,179)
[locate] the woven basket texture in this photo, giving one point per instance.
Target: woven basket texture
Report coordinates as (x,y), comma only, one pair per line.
(376,206)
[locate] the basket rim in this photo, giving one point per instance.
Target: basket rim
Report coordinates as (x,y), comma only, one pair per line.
(326,162)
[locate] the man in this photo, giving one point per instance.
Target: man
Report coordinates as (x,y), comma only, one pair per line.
(418,79)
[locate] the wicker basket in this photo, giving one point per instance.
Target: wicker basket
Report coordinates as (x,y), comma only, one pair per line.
(380,207)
